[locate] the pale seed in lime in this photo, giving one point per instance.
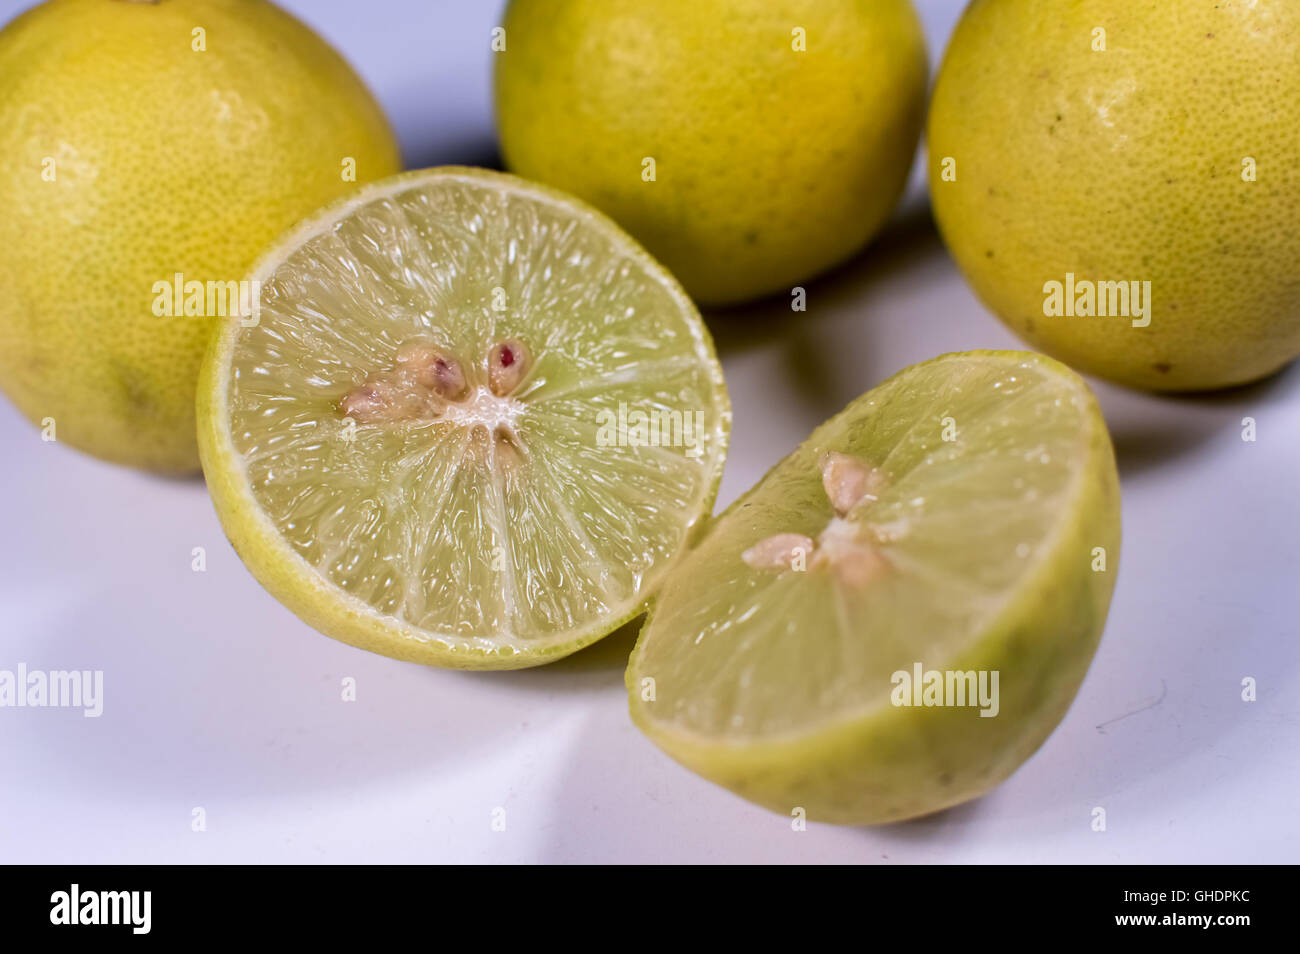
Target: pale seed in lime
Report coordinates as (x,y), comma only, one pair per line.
(469,422)
(897,615)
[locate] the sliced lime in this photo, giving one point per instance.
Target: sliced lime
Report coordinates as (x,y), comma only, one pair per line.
(469,422)
(962,518)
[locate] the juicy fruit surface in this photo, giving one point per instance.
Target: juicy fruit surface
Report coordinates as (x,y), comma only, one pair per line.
(771,163)
(416,447)
(1126,165)
(127,157)
(875,546)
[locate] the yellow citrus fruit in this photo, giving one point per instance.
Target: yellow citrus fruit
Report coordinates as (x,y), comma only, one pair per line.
(140,142)
(1104,142)
(469,423)
(898,615)
(778,133)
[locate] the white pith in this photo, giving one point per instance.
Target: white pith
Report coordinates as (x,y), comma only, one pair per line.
(483,409)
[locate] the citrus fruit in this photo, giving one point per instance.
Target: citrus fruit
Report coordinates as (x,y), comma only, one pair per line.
(962,520)
(145,149)
(750,144)
(1102,152)
(469,422)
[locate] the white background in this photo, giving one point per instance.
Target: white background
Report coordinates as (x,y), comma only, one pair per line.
(217,697)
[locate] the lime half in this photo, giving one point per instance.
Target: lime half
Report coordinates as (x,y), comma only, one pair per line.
(901,611)
(468,422)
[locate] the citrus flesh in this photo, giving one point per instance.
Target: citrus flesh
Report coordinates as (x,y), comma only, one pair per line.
(781,131)
(472,425)
(1128,143)
(133,151)
(963,516)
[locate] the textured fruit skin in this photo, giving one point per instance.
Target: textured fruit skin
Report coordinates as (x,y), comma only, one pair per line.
(900,763)
(290,579)
(166,160)
(1126,165)
(771,165)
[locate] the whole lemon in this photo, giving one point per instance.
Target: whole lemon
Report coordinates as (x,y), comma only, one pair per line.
(749,144)
(146,145)
(1119,181)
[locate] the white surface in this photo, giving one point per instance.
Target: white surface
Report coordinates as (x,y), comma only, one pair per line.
(217,697)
